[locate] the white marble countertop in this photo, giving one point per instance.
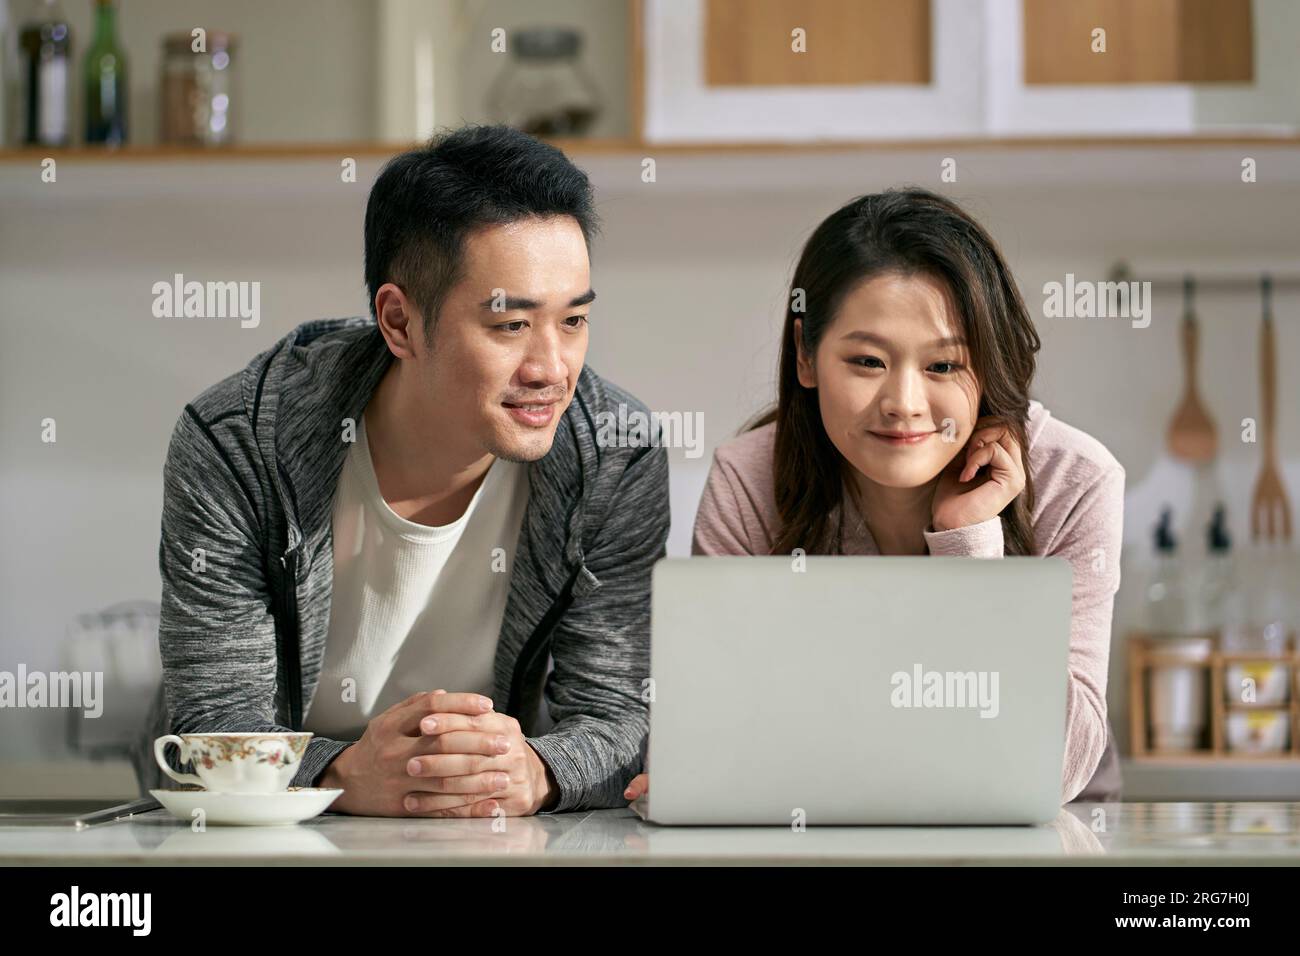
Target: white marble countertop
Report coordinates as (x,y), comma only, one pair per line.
(1235,833)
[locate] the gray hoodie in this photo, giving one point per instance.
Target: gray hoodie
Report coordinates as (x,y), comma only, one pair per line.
(250,477)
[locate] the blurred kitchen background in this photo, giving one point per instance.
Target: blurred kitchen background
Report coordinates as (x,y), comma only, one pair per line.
(146,138)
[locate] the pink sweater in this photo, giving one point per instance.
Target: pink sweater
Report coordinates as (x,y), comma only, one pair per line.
(1078,514)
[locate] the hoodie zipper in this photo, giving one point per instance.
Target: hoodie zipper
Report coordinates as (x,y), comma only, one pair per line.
(537,642)
(289,648)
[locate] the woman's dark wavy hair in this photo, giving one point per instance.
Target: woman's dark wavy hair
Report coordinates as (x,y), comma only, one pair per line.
(908,231)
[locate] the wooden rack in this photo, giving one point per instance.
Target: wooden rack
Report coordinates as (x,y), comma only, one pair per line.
(1145,652)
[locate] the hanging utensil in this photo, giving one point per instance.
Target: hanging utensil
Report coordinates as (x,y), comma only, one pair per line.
(1191,432)
(1270,512)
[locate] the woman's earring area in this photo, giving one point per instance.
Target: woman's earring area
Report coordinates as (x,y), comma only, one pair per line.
(804,368)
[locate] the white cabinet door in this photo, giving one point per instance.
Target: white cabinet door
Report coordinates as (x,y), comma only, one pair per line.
(679,107)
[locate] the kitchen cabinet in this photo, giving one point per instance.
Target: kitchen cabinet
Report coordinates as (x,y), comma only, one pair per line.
(829,92)
(721,71)
(767,42)
(1155,41)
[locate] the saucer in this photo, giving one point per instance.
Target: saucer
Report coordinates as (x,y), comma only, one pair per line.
(248,809)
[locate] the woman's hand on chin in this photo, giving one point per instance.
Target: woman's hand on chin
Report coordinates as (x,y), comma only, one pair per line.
(964,497)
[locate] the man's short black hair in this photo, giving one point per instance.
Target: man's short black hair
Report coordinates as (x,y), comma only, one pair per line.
(425,203)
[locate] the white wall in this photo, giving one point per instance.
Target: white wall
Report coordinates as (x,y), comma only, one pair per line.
(691,271)
(1271,98)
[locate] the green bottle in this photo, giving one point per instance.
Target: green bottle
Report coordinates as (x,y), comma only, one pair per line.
(106,88)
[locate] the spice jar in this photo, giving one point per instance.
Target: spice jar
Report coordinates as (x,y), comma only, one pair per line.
(197,89)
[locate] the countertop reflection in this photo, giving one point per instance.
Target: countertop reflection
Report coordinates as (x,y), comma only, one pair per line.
(1231,833)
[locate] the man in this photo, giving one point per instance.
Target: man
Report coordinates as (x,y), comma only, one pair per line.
(380,529)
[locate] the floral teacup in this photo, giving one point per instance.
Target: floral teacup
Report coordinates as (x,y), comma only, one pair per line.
(236,763)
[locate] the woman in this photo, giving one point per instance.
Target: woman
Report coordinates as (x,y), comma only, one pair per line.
(904,426)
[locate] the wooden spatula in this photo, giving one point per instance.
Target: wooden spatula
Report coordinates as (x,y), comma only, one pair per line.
(1191,433)
(1270,512)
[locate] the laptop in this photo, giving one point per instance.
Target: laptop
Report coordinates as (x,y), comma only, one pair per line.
(844,690)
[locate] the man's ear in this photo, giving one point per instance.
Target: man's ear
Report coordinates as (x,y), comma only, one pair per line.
(399,320)
(804,364)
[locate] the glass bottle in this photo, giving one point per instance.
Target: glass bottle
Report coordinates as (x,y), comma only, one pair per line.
(1221,590)
(106,86)
(1167,592)
(46,48)
(1177,685)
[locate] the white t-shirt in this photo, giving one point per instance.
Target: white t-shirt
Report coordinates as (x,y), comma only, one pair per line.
(414,607)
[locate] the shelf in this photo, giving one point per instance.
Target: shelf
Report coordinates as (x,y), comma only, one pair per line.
(261,151)
(1194,759)
(630,147)
(1143,659)
(341,91)
(283,174)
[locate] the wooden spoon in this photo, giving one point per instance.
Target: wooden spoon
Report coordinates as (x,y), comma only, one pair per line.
(1270,512)
(1191,433)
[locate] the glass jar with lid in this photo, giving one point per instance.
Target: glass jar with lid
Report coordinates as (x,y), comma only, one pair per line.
(197,89)
(543,89)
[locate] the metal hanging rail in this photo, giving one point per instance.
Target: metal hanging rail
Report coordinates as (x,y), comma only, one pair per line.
(1121,271)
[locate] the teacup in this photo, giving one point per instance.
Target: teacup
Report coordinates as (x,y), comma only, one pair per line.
(236,763)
